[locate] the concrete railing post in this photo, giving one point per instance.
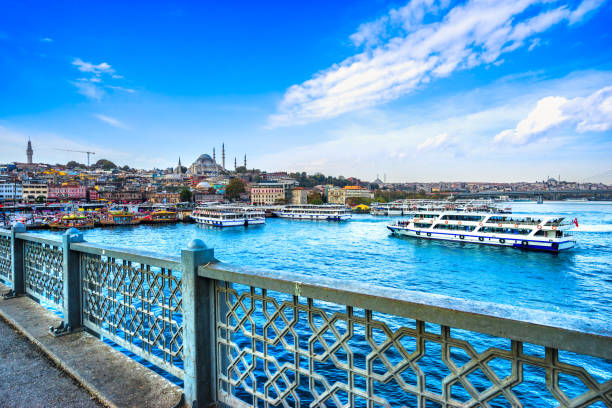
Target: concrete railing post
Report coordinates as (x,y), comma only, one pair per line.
(198,327)
(17,255)
(72,285)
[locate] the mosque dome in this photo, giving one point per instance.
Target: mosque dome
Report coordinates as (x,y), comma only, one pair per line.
(205,159)
(203,185)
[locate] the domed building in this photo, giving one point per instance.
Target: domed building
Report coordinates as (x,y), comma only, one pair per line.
(204,165)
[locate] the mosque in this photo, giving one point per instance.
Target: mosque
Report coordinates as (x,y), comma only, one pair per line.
(206,165)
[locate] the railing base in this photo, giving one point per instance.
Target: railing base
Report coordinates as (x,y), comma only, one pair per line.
(63,329)
(11,294)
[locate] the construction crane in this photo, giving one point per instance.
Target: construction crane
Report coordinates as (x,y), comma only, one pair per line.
(78,151)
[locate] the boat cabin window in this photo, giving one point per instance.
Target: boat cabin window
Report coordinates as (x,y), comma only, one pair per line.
(462,217)
(455,227)
(421,225)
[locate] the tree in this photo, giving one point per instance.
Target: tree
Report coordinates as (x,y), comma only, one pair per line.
(234,188)
(74,164)
(353,201)
(40,199)
(315,198)
(186,195)
(105,164)
(211,190)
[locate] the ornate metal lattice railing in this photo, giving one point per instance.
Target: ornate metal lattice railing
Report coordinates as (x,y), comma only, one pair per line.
(43,268)
(290,341)
(5,257)
(135,300)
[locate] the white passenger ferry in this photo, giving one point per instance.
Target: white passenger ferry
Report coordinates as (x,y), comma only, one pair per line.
(328,212)
(534,232)
(221,216)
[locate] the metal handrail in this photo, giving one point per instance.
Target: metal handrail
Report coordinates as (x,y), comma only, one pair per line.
(144,257)
(544,328)
(38,239)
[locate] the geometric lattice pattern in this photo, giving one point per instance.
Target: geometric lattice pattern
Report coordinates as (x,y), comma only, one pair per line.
(138,306)
(43,271)
(277,350)
(5,259)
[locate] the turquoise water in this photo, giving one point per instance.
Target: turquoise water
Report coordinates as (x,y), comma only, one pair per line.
(577,283)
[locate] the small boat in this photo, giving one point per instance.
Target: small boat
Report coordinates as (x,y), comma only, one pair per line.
(120,218)
(533,232)
(160,217)
(72,221)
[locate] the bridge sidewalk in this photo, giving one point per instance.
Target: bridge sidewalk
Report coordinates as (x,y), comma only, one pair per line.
(113,378)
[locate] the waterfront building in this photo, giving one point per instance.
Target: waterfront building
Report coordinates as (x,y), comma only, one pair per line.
(164,198)
(299,195)
(341,195)
(272,192)
(66,192)
(93,195)
(33,191)
(10,192)
(123,196)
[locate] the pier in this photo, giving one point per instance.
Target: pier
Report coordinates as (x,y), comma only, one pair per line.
(248,338)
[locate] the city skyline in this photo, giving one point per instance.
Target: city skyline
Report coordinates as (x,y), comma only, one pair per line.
(418,90)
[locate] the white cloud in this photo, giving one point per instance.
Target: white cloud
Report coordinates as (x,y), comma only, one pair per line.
(101,68)
(433,143)
(534,43)
(46,39)
(583,9)
(468,35)
(120,88)
(89,90)
(88,87)
(111,121)
(591,113)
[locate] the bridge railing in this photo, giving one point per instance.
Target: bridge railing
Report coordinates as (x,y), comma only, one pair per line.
(268,339)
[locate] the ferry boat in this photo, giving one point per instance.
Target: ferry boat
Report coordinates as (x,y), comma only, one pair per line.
(120,218)
(327,212)
(533,232)
(159,217)
(228,216)
(410,206)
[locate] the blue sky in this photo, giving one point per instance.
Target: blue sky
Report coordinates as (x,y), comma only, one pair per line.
(422,90)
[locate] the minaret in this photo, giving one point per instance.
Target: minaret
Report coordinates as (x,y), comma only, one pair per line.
(214,156)
(29,151)
(245,161)
(235,164)
(179,170)
(223,156)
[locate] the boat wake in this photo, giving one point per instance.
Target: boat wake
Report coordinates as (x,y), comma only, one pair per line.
(593,228)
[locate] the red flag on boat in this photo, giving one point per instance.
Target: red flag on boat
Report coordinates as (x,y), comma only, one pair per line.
(576,221)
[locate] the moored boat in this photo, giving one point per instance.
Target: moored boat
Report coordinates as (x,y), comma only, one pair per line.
(533,232)
(226,216)
(327,212)
(119,218)
(160,217)
(72,221)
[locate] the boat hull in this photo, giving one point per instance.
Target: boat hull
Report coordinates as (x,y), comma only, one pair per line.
(230,223)
(315,217)
(527,243)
